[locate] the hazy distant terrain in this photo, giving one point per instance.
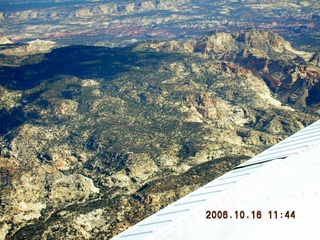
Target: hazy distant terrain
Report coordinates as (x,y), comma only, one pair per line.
(115,23)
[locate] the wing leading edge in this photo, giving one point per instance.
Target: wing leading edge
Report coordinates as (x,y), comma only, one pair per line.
(274,194)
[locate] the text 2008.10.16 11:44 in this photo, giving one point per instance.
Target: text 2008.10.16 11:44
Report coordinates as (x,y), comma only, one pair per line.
(250,215)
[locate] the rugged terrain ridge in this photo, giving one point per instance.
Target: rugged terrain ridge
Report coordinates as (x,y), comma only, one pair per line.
(94,139)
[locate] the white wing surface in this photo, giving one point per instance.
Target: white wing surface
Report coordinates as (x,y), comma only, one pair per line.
(274,195)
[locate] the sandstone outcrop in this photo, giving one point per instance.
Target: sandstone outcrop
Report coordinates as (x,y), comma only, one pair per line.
(32,47)
(3,38)
(263,54)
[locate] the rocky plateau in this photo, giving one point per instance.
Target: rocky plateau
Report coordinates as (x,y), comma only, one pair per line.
(94,139)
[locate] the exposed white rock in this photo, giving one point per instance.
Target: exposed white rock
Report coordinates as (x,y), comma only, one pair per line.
(72,187)
(4,39)
(28,211)
(32,47)
(192,114)
(9,99)
(262,90)
(4,229)
(86,223)
(89,83)
(68,107)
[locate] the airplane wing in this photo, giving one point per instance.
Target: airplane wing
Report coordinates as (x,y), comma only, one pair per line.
(274,195)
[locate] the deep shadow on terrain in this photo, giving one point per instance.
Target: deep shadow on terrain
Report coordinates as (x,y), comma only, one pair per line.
(78,61)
